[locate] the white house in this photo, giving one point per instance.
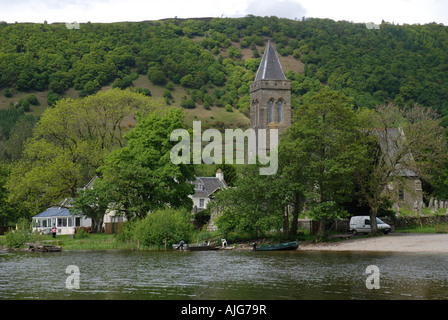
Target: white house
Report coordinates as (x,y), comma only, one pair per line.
(205,188)
(64,220)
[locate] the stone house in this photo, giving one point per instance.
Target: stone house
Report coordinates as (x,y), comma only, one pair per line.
(405,189)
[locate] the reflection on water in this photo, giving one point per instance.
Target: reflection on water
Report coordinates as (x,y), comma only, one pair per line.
(222,275)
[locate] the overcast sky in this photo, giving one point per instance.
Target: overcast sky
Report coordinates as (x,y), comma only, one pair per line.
(397,11)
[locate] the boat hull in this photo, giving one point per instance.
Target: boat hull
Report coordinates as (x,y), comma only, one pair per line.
(201,247)
(279,247)
(197,247)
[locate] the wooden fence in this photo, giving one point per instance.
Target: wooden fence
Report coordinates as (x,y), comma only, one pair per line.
(113,227)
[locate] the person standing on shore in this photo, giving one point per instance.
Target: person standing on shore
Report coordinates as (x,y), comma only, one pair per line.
(53,231)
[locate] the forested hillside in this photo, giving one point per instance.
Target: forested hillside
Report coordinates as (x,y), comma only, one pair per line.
(209,63)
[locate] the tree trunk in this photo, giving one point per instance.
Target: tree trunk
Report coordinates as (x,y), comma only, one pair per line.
(298,205)
(97,224)
(322,222)
(373,214)
(285,221)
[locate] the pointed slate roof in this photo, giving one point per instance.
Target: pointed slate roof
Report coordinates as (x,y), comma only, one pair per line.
(270,68)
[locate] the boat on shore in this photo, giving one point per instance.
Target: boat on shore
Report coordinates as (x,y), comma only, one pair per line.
(197,247)
(35,247)
(202,247)
(293,245)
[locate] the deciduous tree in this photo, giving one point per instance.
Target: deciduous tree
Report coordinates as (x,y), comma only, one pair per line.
(69,143)
(400,140)
(321,151)
(141,175)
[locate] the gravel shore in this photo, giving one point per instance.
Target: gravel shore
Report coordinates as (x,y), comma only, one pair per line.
(394,242)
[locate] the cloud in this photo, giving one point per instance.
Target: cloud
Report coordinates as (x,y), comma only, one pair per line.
(281,8)
(398,11)
(50,10)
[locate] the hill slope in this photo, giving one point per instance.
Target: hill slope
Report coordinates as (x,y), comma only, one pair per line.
(206,65)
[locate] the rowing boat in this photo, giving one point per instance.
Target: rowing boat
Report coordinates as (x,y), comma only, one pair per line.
(202,247)
(293,245)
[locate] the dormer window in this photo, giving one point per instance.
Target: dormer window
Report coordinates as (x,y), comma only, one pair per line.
(200,186)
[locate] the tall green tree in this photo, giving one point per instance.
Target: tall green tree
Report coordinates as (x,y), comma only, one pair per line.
(255,204)
(93,202)
(141,175)
(69,143)
(399,140)
(321,152)
(7,211)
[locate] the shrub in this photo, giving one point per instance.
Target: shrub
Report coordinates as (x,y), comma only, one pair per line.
(127,232)
(7,93)
(202,217)
(26,106)
(163,226)
(187,103)
(156,76)
(52,97)
(167,94)
(81,233)
(32,99)
(17,238)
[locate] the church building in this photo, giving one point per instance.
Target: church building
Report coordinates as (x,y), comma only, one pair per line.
(270,95)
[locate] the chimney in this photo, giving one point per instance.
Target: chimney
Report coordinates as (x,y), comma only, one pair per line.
(220,175)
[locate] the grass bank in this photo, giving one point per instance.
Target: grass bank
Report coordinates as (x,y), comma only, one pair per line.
(109,242)
(91,242)
(101,241)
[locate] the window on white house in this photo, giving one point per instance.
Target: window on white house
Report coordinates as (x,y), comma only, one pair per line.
(62,222)
(201,203)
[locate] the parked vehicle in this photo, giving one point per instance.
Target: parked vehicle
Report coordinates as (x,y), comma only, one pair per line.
(361,224)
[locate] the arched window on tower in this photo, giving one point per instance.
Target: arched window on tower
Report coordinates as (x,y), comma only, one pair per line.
(271,111)
(279,105)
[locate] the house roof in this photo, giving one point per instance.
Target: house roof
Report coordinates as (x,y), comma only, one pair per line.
(54,212)
(206,186)
(270,68)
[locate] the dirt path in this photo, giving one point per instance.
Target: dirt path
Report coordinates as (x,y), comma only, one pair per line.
(394,242)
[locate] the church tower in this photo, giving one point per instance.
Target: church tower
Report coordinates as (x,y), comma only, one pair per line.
(270,95)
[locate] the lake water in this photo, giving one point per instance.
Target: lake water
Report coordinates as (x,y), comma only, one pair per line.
(221,275)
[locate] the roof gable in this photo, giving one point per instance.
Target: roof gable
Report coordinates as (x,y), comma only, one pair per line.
(206,186)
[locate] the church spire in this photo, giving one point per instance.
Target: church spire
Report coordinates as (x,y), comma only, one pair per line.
(270,68)
(270,96)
